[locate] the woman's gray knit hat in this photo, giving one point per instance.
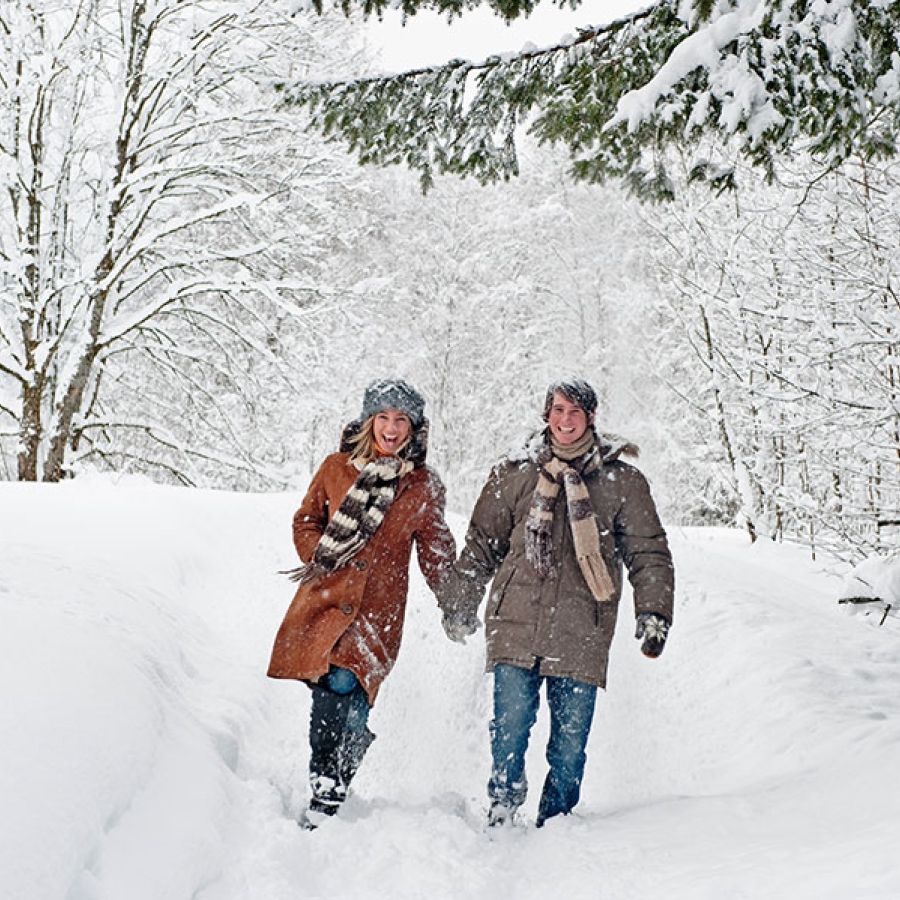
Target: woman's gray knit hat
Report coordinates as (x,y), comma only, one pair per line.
(394,393)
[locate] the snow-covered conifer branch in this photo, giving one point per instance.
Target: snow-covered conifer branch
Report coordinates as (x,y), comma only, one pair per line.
(766,77)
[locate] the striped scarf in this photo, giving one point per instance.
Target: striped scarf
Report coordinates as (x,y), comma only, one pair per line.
(569,474)
(357,518)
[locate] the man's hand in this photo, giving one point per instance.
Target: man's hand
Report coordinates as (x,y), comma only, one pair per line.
(653,629)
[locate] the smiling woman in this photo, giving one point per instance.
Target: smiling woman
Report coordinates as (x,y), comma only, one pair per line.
(354,532)
(428,39)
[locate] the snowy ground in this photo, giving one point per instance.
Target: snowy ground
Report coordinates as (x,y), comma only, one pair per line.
(145,756)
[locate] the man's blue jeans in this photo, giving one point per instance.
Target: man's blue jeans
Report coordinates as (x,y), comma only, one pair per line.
(516,701)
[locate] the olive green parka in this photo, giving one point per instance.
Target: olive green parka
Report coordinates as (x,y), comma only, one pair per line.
(556,622)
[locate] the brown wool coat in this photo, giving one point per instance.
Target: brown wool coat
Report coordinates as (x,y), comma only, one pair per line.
(353,617)
(556,620)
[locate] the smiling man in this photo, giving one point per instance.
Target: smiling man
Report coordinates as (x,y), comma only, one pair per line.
(553,528)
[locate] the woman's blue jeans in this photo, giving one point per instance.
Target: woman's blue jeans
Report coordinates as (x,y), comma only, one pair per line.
(516,701)
(338,737)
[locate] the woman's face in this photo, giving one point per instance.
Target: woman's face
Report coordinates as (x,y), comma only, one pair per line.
(392,430)
(567,420)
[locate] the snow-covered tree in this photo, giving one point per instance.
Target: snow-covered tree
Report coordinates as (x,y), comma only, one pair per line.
(781,345)
(153,239)
(764,76)
(483,295)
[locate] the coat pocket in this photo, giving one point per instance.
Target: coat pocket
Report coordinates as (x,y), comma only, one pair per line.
(498,593)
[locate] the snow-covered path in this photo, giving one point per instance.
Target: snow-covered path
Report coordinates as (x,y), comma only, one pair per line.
(145,756)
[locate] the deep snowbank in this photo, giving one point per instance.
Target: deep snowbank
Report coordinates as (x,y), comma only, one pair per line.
(145,754)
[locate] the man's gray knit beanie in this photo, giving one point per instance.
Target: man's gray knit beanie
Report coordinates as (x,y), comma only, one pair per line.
(394,393)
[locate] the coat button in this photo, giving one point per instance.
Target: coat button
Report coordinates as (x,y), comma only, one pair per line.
(361,564)
(347,609)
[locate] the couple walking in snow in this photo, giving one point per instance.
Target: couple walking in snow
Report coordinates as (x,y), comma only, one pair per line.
(551,529)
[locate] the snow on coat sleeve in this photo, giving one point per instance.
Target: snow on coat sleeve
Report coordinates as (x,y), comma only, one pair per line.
(311,518)
(435,545)
(644,547)
(486,545)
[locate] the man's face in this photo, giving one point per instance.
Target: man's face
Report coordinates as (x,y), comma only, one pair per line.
(567,420)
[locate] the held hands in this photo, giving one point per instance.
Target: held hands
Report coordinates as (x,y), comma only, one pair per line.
(654,629)
(458,627)
(458,597)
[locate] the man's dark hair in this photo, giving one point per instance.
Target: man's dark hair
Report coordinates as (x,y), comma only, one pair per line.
(574,389)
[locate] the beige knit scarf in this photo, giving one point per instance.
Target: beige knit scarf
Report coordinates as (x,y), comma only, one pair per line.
(566,466)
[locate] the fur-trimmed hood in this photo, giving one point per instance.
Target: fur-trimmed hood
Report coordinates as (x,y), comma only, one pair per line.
(611,446)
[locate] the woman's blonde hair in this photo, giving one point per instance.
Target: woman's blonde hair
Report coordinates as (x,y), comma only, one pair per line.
(363,446)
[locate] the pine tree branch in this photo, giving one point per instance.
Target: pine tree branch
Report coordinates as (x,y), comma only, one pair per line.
(507,9)
(764,78)
(463,117)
